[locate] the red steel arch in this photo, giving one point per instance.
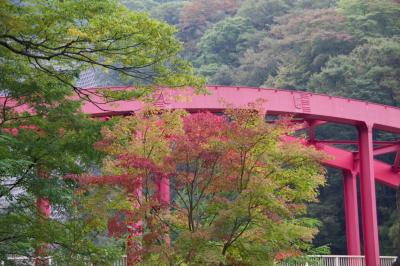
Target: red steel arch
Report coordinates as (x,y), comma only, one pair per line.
(314,110)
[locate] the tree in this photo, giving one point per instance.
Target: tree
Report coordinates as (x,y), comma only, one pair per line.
(220,48)
(262,13)
(169,12)
(315,36)
(310,4)
(304,45)
(198,16)
(44,136)
(218,74)
(370,73)
(371,18)
(136,147)
(238,191)
(35,154)
(53,41)
(297,45)
(223,42)
(140,5)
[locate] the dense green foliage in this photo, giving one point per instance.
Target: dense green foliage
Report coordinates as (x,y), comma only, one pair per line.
(339,47)
(43,47)
(370,72)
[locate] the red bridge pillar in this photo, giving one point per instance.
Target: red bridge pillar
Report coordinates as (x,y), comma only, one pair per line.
(351,211)
(164,198)
(163,191)
(135,229)
(44,209)
(368,197)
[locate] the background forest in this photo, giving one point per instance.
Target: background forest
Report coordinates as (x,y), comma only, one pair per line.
(348,48)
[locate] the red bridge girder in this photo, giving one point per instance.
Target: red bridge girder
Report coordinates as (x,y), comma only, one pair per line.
(308,106)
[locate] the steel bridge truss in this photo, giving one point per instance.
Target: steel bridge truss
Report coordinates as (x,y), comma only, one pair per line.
(310,111)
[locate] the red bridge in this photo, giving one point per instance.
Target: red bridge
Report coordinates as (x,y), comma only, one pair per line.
(311,110)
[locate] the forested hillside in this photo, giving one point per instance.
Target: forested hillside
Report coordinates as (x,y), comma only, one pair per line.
(349,48)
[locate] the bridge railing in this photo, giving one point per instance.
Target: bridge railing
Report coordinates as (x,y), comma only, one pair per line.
(338,260)
(29,261)
(322,260)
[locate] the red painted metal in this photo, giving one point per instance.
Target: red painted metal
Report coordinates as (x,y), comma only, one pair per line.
(386,149)
(164,197)
(302,106)
(43,206)
(355,142)
(368,197)
(44,209)
(164,191)
(351,210)
(278,102)
(311,135)
(347,160)
(135,229)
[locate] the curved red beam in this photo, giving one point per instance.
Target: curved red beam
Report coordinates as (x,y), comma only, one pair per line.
(278,102)
(309,106)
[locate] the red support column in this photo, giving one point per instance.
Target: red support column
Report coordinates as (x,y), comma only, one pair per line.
(43,206)
(164,198)
(351,210)
(135,228)
(44,210)
(164,193)
(368,197)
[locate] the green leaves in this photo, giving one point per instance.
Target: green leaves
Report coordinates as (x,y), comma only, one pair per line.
(347,48)
(369,73)
(238,191)
(54,41)
(370,18)
(43,47)
(223,42)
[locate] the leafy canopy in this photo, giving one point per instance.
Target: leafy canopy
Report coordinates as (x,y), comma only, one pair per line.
(52,41)
(239,192)
(44,45)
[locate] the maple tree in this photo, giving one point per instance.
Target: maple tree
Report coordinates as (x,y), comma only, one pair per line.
(136,147)
(238,191)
